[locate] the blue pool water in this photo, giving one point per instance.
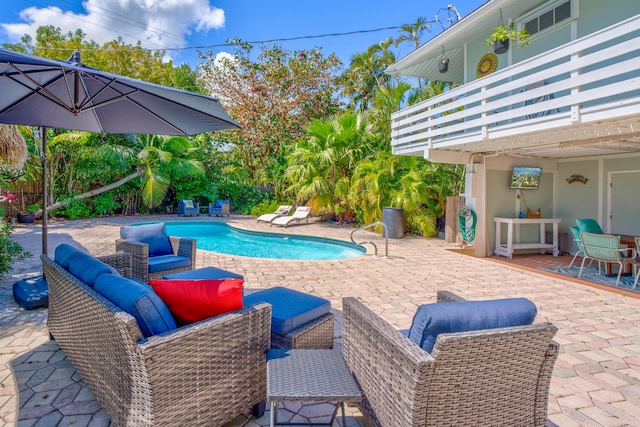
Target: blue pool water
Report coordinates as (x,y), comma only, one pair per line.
(222,238)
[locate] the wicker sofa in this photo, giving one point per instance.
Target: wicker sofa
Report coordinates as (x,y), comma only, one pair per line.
(202,374)
(486,377)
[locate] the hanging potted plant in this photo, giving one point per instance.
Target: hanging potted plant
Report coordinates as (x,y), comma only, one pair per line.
(443,65)
(503,34)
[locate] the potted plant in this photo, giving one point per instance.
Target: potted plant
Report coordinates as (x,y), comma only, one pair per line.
(443,65)
(502,34)
(29,216)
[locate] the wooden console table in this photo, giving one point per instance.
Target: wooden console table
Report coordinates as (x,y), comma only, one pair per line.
(506,249)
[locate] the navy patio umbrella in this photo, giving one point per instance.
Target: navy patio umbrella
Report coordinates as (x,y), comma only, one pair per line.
(42,92)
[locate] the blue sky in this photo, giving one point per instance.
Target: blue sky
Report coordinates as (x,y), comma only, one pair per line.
(203,23)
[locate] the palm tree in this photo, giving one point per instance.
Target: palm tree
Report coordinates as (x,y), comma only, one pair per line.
(155,160)
(413,33)
(320,165)
(366,75)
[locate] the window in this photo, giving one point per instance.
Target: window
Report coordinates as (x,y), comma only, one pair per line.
(543,19)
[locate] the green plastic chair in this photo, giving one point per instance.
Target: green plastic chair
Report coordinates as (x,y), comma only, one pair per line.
(606,248)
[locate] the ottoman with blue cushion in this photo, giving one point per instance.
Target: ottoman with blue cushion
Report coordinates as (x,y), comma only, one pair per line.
(298,320)
(31,293)
(204,273)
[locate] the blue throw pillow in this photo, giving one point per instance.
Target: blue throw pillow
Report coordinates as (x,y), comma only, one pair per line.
(154,235)
(151,313)
(589,225)
(433,319)
(87,268)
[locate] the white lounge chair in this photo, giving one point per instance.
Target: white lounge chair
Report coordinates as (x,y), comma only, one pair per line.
(282,210)
(302,212)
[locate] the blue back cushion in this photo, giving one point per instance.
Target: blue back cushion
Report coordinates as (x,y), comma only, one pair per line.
(63,255)
(433,319)
(154,235)
(82,265)
(140,301)
(289,309)
(589,225)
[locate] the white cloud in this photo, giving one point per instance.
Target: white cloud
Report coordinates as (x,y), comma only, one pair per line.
(157,24)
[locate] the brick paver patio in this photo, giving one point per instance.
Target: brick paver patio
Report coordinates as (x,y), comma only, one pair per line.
(596,380)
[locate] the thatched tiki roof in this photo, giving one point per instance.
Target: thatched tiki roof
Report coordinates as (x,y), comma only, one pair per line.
(13,148)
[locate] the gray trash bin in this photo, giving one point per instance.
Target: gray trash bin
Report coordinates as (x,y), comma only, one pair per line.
(394,220)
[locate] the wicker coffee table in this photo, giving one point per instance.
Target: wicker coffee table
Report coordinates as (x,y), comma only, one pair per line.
(309,376)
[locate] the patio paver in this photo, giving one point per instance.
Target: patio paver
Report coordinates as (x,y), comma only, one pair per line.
(596,379)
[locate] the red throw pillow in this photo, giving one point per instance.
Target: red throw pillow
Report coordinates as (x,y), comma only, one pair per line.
(194,300)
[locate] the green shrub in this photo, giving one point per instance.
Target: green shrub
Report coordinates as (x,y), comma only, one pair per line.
(265,207)
(10,251)
(105,204)
(76,209)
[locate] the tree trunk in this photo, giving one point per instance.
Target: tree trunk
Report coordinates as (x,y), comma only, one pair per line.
(91,193)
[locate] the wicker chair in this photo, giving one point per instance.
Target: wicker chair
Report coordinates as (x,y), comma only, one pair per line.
(488,377)
(203,374)
(140,255)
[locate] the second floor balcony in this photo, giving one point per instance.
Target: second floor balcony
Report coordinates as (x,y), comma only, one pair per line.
(580,99)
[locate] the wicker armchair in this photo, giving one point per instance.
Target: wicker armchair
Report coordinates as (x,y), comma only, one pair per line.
(488,377)
(140,255)
(204,374)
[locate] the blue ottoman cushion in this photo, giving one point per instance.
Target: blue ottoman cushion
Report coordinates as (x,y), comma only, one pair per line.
(151,313)
(204,273)
(433,319)
(31,293)
(154,235)
(289,309)
(167,262)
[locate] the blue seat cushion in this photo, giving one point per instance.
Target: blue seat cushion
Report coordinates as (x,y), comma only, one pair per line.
(140,301)
(87,268)
(589,225)
(168,262)
(204,273)
(433,319)
(31,293)
(154,235)
(289,309)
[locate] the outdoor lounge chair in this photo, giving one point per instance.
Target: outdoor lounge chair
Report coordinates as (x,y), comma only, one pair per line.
(154,253)
(281,211)
(485,377)
(188,208)
(302,212)
(220,208)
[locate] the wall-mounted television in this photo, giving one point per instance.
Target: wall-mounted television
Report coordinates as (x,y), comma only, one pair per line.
(525,178)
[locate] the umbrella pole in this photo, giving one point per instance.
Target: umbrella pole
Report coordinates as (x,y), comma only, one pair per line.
(44,190)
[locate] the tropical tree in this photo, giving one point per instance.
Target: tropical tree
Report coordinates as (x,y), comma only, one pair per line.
(413,33)
(408,182)
(115,57)
(86,166)
(272,95)
(321,164)
(366,75)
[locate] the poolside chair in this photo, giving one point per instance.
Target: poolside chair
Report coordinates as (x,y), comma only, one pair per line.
(302,212)
(154,253)
(575,231)
(281,211)
(606,248)
(188,207)
(488,377)
(220,208)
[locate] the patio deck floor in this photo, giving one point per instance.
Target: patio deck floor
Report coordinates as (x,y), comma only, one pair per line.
(596,380)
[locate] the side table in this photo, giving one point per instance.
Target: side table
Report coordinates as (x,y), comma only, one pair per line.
(309,376)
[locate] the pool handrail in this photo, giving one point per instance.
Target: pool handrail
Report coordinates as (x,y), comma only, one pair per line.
(386,237)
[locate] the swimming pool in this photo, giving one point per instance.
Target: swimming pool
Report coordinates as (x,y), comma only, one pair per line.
(223,238)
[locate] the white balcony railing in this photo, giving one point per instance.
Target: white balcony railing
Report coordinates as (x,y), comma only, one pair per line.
(594,78)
